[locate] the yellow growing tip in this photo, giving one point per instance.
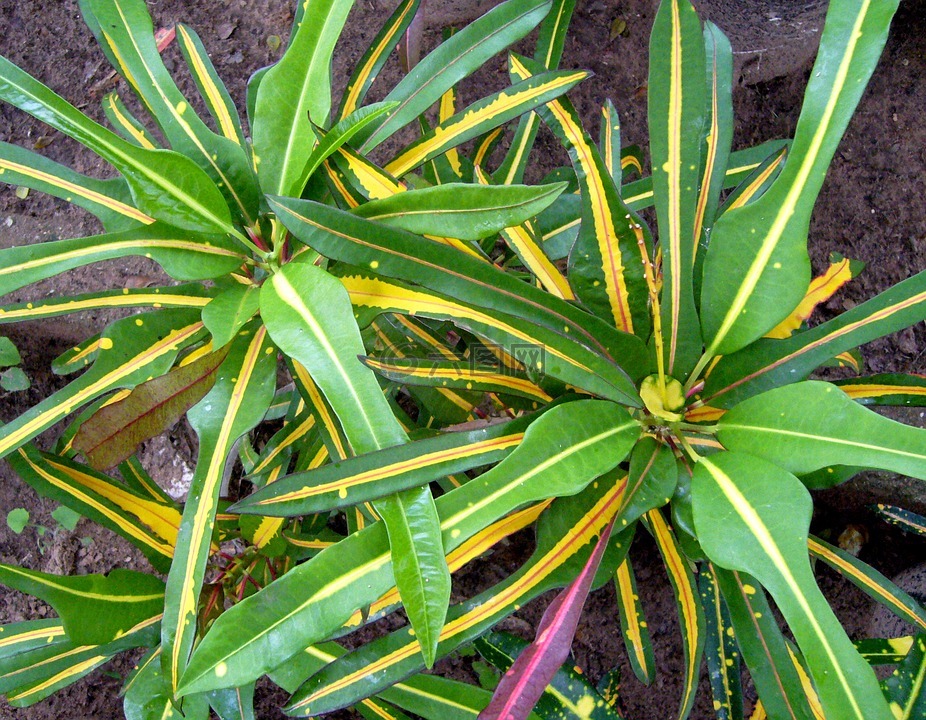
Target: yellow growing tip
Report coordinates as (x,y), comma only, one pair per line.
(663,404)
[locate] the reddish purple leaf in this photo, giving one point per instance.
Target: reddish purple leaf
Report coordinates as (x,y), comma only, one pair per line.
(410,43)
(525,681)
(113,432)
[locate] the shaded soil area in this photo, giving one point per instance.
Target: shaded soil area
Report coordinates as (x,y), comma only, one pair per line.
(871,208)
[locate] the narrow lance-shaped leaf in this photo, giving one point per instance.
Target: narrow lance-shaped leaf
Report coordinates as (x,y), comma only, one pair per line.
(308,313)
(633,624)
(886,389)
(458,375)
(461,210)
(767,364)
(339,135)
(236,403)
(125,33)
(164,184)
(723,660)
(114,432)
(677,103)
(131,351)
(808,426)
(484,115)
(690,612)
(762,646)
(523,238)
(563,545)
(376,55)
(294,93)
(604,265)
(550,42)
(536,347)
(593,437)
(349,239)
(149,525)
(182,257)
(569,695)
(871,582)
(753,516)
(454,60)
(524,683)
(177,296)
(411,464)
(740,300)
(126,124)
(94,609)
(906,520)
(210,85)
(108,200)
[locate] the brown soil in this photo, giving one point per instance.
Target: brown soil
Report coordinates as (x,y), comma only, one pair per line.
(871,208)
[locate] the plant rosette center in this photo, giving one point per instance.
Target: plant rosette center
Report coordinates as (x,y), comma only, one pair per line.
(663,397)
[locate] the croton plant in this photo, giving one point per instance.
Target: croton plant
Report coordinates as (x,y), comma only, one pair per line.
(337,323)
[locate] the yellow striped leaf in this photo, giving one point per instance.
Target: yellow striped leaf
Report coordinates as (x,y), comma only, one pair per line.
(633,624)
(484,115)
(238,400)
(131,351)
(690,612)
(603,270)
(127,124)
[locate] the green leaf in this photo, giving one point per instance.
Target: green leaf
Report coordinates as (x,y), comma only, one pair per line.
(9,355)
(565,539)
(484,115)
(17,519)
(763,646)
(379,473)
(177,296)
(14,379)
(236,403)
(810,425)
(94,609)
(151,525)
(768,363)
(906,520)
(723,661)
(125,32)
(677,104)
(550,42)
(147,695)
(906,687)
(211,87)
(871,582)
(66,517)
(132,350)
(458,210)
(455,59)
(376,55)
(315,598)
(164,184)
(228,312)
(339,135)
(109,200)
(395,253)
(753,516)
(605,266)
(182,257)
(115,431)
(634,627)
(308,314)
(293,94)
(690,612)
(126,124)
(886,389)
(757,268)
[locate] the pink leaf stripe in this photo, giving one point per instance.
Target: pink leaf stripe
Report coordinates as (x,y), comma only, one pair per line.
(525,681)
